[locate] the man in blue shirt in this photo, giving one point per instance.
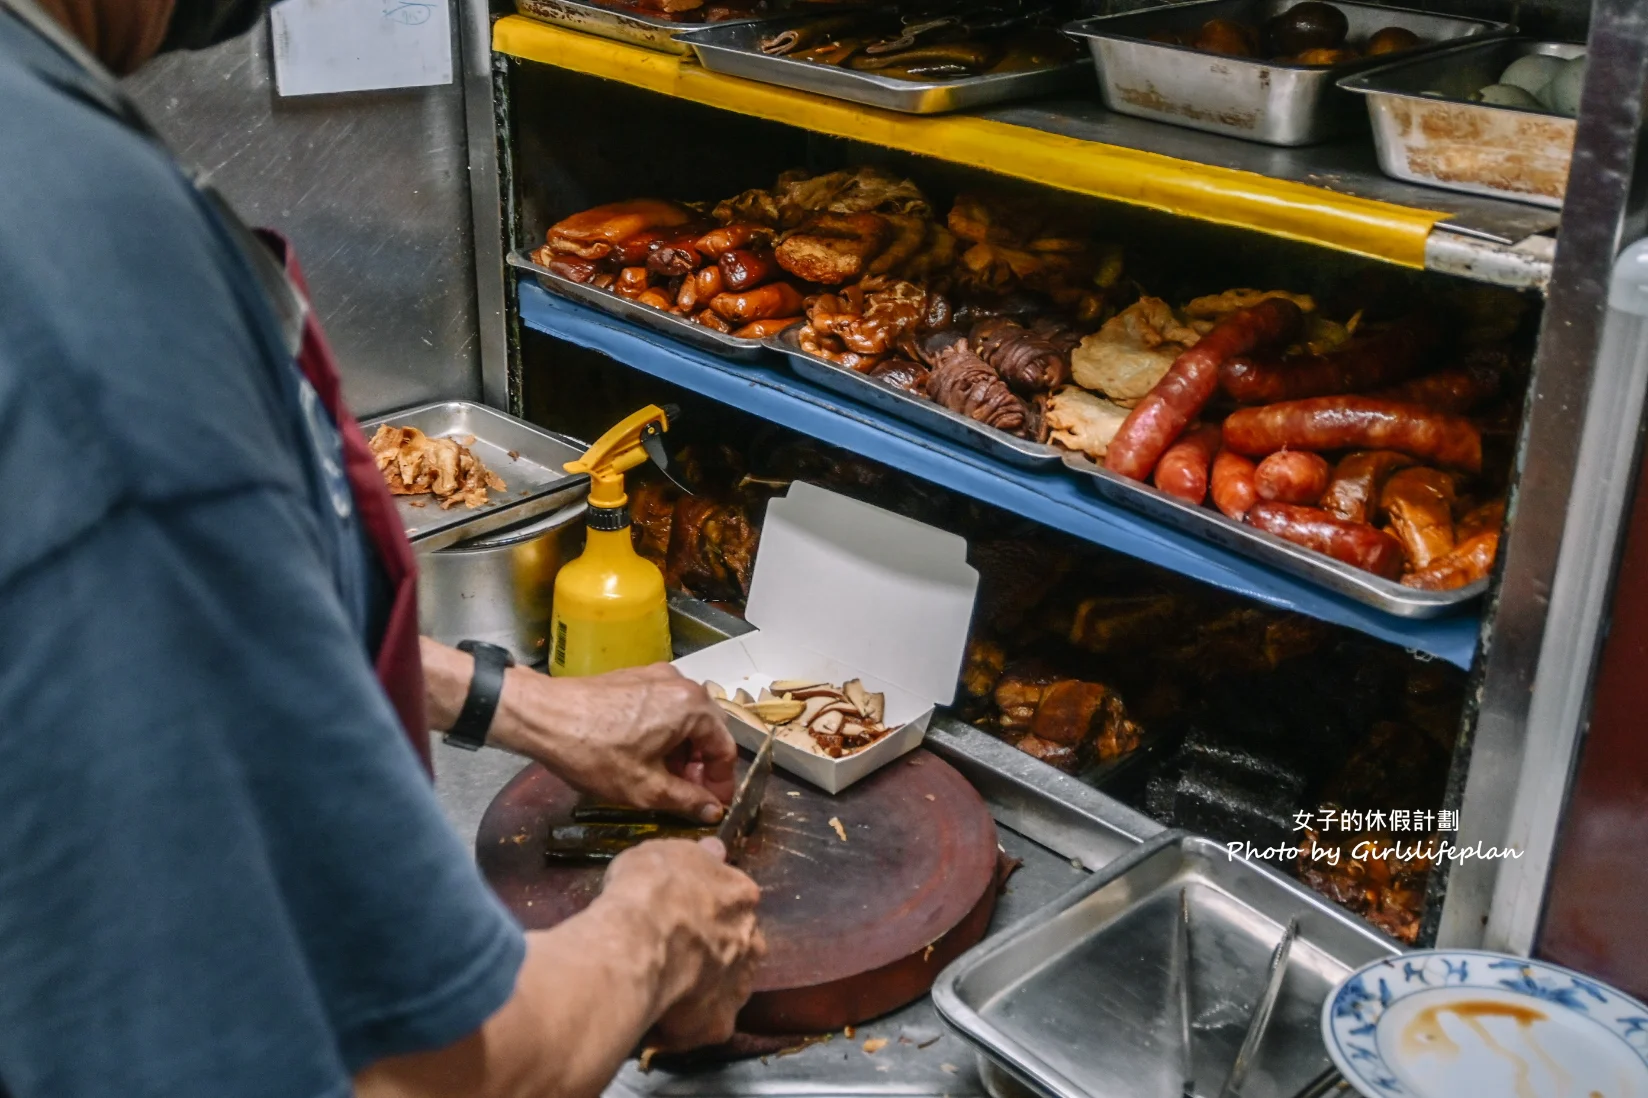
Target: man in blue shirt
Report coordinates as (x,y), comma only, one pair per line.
(222,871)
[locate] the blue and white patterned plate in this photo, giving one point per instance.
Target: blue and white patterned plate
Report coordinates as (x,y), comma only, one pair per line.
(1468,1024)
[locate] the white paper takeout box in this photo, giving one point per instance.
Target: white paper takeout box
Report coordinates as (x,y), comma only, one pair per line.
(843,590)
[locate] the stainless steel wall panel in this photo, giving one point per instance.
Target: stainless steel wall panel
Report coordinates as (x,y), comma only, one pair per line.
(372,187)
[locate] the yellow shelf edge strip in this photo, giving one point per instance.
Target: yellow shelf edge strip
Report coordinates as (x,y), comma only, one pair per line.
(1296,211)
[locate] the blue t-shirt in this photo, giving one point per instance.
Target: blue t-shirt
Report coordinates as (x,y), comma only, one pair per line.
(222,871)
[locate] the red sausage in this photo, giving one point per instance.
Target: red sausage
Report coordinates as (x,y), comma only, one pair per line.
(1292,476)
(742,269)
(1357,543)
(1233,490)
(1356,423)
(1182,471)
(1185,389)
(773,299)
(1368,362)
(1458,389)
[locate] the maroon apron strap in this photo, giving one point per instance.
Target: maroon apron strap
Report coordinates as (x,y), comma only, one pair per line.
(398,663)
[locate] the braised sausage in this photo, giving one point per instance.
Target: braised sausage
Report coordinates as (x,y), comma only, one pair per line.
(686,297)
(1159,418)
(571,267)
(674,257)
(1457,389)
(1366,362)
(740,234)
(1356,423)
(1353,493)
(633,252)
(761,329)
(632,282)
(1355,543)
(1182,472)
(1419,503)
(709,282)
(1470,561)
(743,269)
(655,298)
(773,299)
(1233,491)
(709,319)
(1292,476)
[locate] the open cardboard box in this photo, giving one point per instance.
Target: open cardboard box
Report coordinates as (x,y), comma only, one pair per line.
(843,590)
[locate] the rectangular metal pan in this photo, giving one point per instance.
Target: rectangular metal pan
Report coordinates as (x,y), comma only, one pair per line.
(1284,556)
(649,31)
(534,482)
(1074,1002)
(914,409)
(736,51)
(687,331)
(1445,141)
(1269,101)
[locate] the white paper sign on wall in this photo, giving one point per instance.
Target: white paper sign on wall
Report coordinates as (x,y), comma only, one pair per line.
(324,46)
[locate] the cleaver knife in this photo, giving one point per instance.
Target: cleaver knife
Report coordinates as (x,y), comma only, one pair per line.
(746,803)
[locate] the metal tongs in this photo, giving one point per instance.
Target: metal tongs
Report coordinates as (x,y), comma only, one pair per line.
(1258,1021)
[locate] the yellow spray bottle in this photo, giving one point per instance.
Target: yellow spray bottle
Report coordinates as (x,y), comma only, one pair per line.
(610,610)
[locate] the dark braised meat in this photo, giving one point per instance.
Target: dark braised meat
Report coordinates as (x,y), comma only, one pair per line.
(712,549)
(901,373)
(1028,362)
(1067,722)
(652,514)
(965,383)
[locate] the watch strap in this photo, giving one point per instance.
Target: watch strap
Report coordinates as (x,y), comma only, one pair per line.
(486,687)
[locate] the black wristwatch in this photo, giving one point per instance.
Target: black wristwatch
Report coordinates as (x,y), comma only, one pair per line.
(486,686)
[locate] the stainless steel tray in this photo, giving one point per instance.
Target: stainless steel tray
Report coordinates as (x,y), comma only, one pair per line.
(933,416)
(687,331)
(650,31)
(1074,1002)
(1269,101)
(1205,522)
(1503,152)
(534,482)
(735,49)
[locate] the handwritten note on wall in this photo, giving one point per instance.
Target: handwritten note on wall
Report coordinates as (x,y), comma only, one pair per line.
(326,46)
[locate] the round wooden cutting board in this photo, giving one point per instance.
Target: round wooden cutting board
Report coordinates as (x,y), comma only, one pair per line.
(855,927)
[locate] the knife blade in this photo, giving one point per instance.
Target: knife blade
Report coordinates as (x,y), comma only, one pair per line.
(746,803)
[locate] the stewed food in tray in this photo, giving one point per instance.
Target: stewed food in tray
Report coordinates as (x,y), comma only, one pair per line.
(1361,441)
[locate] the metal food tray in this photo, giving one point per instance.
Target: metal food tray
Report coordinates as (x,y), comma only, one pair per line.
(649,31)
(534,482)
(933,416)
(682,328)
(1283,555)
(1502,152)
(1269,101)
(735,49)
(1077,1000)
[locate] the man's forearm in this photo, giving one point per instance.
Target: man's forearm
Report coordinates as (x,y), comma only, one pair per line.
(586,994)
(446,675)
